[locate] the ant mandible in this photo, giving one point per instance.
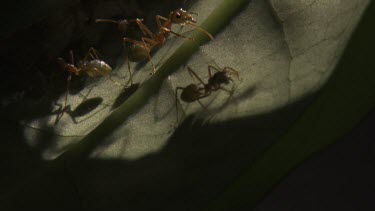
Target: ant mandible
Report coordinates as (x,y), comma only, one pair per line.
(194,92)
(141,49)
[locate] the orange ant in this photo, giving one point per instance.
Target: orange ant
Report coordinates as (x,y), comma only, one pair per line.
(194,92)
(140,50)
(91,65)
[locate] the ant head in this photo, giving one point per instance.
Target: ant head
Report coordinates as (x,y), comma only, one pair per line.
(180,16)
(222,77)
(66,66)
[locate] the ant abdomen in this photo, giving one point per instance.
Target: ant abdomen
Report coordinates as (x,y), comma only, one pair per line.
(191,93)
(137,53)
(97,68)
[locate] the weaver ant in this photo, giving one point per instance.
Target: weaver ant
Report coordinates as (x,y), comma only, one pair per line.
(194,92)
(140,50)
(91,66)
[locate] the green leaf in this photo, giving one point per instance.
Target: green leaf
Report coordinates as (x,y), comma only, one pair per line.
(284,53)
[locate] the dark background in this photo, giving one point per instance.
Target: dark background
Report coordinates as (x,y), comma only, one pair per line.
(339,178)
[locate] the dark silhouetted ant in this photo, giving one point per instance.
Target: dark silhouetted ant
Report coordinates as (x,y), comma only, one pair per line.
(194,92)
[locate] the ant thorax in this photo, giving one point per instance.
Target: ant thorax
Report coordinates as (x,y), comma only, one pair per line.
(191,93)
(219,78)
(73,69)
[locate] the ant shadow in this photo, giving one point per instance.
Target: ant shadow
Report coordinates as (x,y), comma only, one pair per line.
(84,108)
(198,161)
(231,101)
(125,94)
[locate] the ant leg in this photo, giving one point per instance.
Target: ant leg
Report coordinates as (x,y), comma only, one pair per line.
(192,73)
(180,35)
(144,40)
(146,47)
(60,115)
(74,119)
(165,29)
(106,20)
(209,70)
(67,89)
(158,21)
(91,53)
(94,53)
(217,68)
(226,90)
(203,106)
(144,29)
(122,25)
(149,42)
(230,92)
(114,21)
(107,76)
(130,73)
(135,42)
(216,65)
(176,97)
(235,72)
(115,82)
(200,29)
(65,108)
(71,57)
(135,20)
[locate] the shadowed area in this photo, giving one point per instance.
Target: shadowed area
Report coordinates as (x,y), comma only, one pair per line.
(198,161)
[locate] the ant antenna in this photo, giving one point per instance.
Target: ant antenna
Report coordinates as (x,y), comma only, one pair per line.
(200,29)
(106,20)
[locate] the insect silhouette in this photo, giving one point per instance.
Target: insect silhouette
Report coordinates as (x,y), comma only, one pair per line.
(194,92)
(140,50)
(91,66)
